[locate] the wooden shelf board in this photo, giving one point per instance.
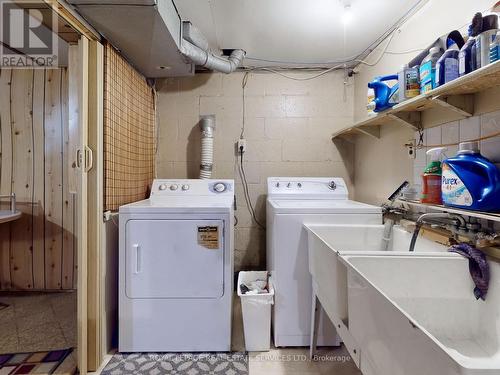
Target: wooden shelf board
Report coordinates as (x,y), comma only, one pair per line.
(477,214)
(479,80)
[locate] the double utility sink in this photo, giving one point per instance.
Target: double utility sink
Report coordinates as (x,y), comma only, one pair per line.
(403,313)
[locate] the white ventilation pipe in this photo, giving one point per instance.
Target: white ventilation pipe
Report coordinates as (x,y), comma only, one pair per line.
(207,125)
(194,46)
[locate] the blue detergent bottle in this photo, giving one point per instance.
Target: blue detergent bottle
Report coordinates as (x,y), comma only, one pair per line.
(466,59)
(447,67)
(471,181)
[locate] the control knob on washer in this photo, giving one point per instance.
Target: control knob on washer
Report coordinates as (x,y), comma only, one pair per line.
(173,187)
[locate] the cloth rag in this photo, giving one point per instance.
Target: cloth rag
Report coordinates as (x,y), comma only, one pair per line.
(478,267)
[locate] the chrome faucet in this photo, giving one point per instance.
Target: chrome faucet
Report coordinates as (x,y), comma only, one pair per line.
(12,198)
(459,222)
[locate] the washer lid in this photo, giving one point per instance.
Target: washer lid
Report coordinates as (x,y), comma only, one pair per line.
(329,206)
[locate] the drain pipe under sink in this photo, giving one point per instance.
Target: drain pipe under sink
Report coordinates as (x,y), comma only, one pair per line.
(207,125)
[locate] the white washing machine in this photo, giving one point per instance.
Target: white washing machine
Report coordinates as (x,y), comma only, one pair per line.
(176,268)
(291,202)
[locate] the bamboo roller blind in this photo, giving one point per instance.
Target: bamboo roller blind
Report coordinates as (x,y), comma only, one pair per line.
(129,132)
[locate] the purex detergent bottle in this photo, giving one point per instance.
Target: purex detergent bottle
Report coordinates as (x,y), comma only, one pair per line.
(471,181)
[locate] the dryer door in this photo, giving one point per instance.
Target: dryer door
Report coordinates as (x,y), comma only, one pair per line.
(174,259)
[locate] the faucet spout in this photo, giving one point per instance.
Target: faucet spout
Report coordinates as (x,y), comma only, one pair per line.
(436,216)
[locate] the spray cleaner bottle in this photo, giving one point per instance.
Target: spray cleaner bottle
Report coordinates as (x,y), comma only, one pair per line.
(431,179)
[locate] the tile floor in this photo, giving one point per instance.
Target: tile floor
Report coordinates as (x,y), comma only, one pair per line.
(286,361)
(38,322)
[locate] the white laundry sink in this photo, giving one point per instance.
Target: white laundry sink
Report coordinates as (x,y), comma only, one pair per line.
(8,215)
(326,244)
(417,314)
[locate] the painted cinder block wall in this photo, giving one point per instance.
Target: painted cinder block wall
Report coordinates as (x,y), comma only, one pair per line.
(288,127)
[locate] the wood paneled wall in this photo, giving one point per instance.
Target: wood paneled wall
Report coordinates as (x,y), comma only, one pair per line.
(38,251)
(129,132)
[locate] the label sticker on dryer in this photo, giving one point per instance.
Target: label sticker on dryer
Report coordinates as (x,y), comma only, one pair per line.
(208,237)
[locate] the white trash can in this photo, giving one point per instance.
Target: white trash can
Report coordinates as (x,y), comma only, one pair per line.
(256,309)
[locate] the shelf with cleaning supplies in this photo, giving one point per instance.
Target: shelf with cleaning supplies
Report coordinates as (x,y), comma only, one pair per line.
(456,96)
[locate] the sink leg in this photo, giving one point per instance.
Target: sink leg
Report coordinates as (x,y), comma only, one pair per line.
(314,325)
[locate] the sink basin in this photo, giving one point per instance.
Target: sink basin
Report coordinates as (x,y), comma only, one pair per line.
(326,244)
(417,314)
(8,215)
(342,238)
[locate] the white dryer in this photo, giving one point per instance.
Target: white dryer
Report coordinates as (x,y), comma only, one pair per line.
(291,202)
(176,268)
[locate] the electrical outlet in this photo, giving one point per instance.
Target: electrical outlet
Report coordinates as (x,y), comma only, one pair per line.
(411,148)
(242,146)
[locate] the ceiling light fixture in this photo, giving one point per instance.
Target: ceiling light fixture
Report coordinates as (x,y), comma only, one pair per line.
(347,15)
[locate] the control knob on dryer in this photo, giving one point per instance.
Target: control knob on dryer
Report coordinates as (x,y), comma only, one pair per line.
(219,187)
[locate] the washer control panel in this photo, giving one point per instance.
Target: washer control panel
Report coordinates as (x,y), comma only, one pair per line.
(164,188)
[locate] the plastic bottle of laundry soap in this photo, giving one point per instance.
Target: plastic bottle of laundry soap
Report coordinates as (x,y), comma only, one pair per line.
(471,181)
(466,59)
(495,49)
(428,70)
(409,84)
(431,179)
(447,65)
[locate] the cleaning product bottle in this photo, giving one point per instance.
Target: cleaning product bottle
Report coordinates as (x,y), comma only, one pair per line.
(447,65)
(494,49)
(370,105)
(476,29)
(428,70)
(431,179)
(471,181)
(483,40)
(466,60)
(409,84)
(386,96)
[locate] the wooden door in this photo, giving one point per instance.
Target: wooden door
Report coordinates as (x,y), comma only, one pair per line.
(82,165)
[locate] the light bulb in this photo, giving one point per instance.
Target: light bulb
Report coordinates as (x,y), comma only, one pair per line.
(347,15)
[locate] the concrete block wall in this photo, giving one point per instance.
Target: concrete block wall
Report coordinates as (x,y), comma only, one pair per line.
(460,131)
(288,127)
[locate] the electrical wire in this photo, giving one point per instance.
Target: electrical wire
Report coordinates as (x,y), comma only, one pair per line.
(241,168)
(493,135)
(345,61)
(243,85)
(341,63)
(301,78)
(246,193)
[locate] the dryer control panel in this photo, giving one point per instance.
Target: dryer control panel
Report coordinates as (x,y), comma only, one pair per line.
(307,188)
(191,187)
